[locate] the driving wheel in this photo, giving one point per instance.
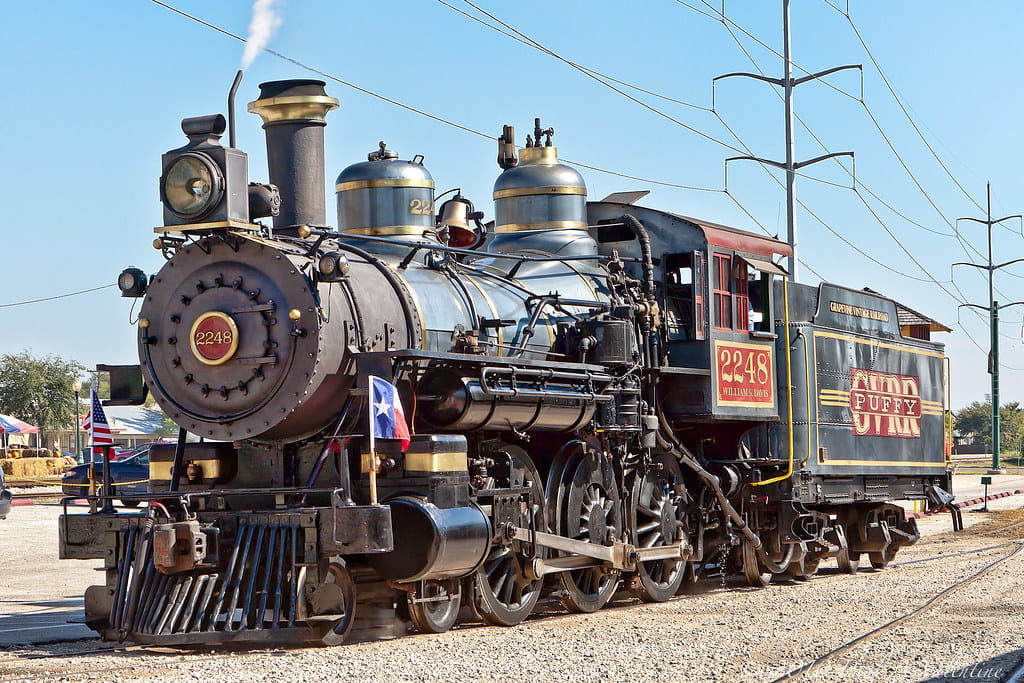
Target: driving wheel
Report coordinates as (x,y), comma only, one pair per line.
(659,516)
(591,513)
(503,594)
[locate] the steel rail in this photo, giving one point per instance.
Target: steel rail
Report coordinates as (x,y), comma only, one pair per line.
(888,626)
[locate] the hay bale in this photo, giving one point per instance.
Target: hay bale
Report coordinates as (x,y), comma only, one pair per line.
(27,467)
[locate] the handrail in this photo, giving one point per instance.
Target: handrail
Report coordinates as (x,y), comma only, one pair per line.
(789,389)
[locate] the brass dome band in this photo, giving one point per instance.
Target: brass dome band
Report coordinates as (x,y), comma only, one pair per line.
(289,108)
(384,182)
(546,225)
(538,155)
(385,230)
(538,191)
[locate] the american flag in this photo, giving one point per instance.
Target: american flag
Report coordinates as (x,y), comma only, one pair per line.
(96,425)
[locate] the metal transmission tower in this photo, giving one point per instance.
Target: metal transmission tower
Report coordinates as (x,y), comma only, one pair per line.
(790,166)
(993,316)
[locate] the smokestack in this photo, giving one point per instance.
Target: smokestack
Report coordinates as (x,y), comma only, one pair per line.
(293,114)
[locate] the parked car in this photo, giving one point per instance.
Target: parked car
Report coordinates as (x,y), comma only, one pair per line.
(129,476)
(5,497)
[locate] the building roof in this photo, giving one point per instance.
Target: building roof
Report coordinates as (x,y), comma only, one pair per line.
(133,420)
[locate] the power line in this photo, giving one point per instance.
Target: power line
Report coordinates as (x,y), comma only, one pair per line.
(608,85)
(523,41)
(867,206)
(59,296)
(407,107)
(726,22)
(828,227)
(874,214)
(900,103)
(721,18)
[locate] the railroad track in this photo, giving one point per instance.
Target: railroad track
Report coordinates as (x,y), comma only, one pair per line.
(42,495)
(885,628)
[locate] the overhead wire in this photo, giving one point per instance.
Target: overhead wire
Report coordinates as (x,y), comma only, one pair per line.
(58,296)
(632,86)
(522,38)
(608,85)
(720,17)
(961,299)
(408,107)
(591,74)
(828,227)
(899,102)
(964,245)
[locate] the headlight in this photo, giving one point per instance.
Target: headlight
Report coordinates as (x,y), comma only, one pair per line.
(192,185)
(132,282)
(333,266)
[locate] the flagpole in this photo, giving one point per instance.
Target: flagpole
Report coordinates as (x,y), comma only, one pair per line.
(92,451)
(373,451)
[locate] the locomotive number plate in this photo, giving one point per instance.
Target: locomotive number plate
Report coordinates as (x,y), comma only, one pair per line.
(744,375)
(214,338)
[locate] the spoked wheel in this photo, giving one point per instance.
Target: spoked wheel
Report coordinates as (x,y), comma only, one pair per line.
(503,595)
(756,574)
(848,562)
(592,514)
(881,560)
(434,605)
(659,516)
(336,596)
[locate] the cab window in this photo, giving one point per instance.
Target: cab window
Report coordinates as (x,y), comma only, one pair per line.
(684,294)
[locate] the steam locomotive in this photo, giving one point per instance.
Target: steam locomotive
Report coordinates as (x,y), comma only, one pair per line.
(603,397)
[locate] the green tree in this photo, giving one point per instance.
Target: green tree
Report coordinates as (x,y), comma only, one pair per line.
(977,419)
(38,390)
(167,427)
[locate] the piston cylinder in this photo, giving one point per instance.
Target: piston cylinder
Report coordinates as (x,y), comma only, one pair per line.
(433,542)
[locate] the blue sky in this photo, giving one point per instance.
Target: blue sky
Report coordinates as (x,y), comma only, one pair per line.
(94,93)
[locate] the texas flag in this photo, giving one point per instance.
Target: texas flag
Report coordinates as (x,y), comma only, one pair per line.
(387,419)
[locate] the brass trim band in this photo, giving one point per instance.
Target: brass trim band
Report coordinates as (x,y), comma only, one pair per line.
(215,225)
(548,225)
(161,471)
(424,462)
(435,462)
(389,230)
(383,182)
(295,107)
(542,190)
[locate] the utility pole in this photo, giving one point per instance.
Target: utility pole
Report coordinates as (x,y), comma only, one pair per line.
(993,317)
(787,82)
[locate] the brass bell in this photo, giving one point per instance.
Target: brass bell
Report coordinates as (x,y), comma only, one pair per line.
(455,215)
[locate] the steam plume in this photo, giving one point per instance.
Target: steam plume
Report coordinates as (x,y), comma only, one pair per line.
(261,29)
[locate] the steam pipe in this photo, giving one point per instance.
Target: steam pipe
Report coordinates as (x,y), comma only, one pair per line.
(645,248)
(668,442)
(231,108)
